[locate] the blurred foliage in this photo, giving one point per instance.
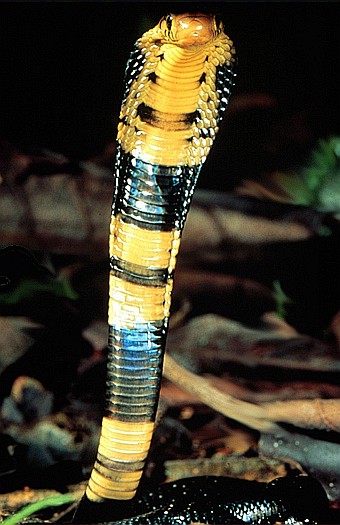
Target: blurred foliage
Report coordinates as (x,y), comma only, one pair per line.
(322,175)
(316,184)
(22,277)
(281,300)
(59,287)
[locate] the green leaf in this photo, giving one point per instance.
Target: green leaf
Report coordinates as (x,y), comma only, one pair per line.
(26,288)
(281,300)
(52,501)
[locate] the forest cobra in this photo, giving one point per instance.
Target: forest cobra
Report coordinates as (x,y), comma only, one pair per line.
(177,87)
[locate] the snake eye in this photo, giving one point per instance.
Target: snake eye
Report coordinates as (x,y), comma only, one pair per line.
(168,21)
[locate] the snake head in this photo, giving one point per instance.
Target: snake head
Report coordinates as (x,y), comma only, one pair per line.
(189,30)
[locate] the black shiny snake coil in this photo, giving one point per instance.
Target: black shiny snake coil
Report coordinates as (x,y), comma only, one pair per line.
(177,88)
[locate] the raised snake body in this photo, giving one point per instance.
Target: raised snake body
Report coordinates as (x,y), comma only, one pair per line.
(177,87)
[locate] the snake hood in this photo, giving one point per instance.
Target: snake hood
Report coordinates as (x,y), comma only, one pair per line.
(177,86)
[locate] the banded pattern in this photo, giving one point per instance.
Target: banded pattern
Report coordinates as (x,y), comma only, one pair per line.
(178,83)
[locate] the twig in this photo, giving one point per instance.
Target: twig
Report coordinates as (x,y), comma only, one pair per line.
(322,414)
(248,414)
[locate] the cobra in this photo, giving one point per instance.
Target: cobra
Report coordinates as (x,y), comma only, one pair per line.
(177,86)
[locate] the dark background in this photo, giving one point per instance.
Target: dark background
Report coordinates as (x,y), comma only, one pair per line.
(62,67)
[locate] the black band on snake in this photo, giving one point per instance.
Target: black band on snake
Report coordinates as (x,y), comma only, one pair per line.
(177,88)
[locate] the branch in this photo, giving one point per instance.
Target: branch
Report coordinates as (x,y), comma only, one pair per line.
(322,414)
(248,414)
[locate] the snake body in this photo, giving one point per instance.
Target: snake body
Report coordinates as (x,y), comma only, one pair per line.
(177,88)
(221,500)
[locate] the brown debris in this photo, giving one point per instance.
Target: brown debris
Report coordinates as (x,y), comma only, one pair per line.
(261,469)
(323,414)
(213,341)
